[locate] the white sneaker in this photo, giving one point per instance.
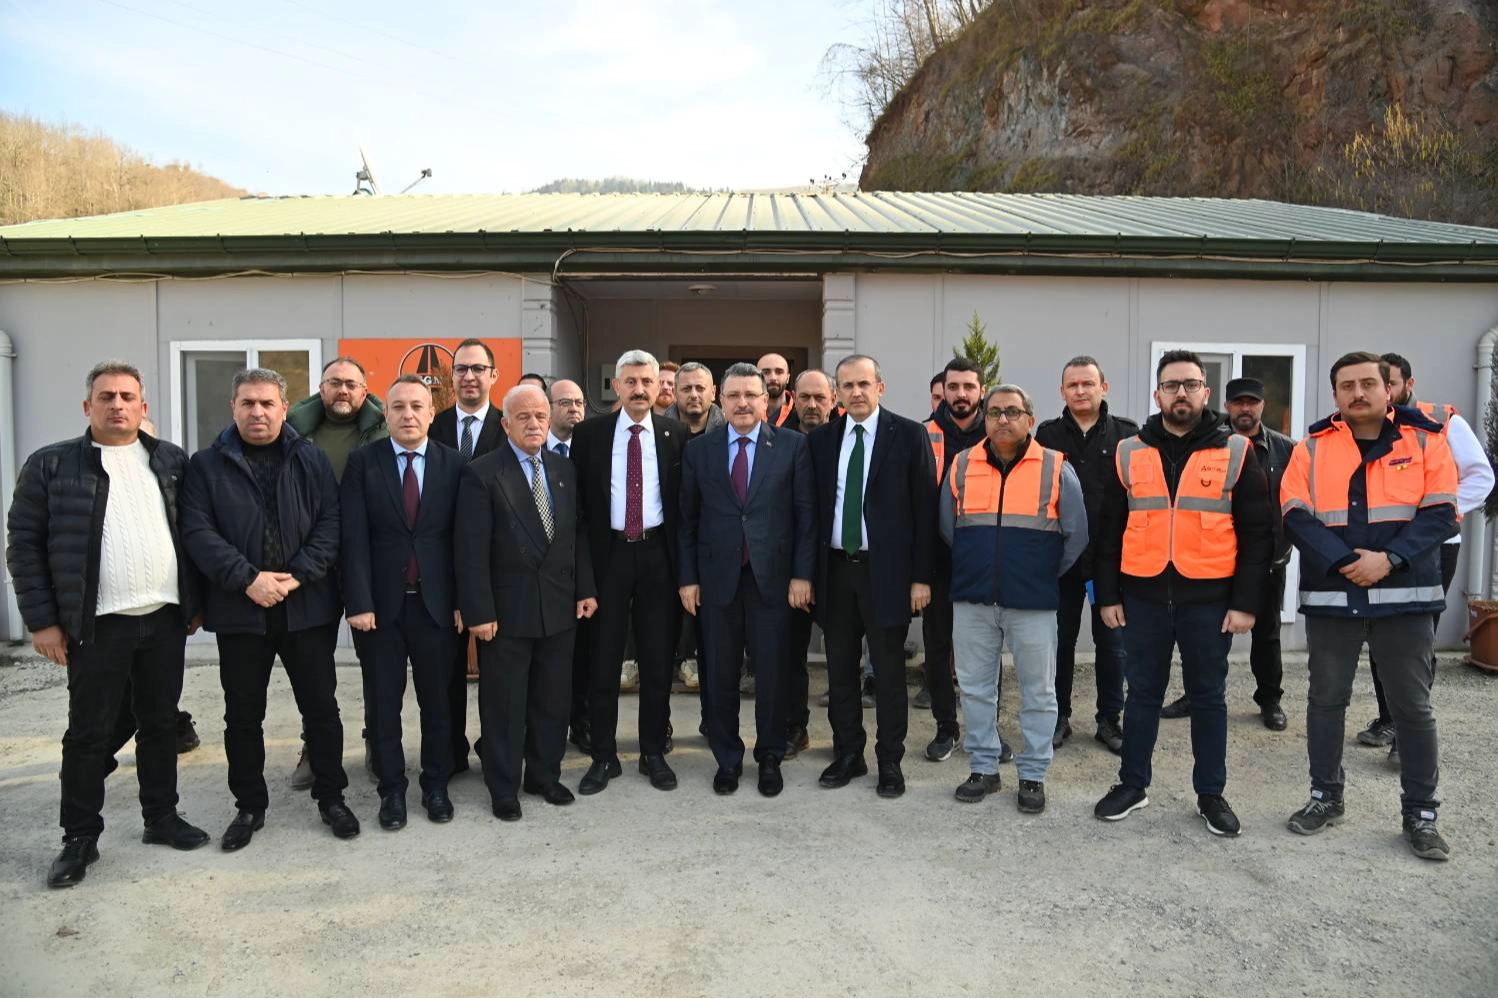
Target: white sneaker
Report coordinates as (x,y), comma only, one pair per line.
(629,676)
(689,676)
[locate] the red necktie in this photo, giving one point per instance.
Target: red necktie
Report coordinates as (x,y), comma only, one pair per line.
(740,478)
(412,496)
(634,486)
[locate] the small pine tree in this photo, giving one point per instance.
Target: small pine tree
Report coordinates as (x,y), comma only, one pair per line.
(977,348)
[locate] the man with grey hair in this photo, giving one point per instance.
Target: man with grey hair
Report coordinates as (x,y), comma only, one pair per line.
(106,591)
(629,485)
(260,518)
(1013,514)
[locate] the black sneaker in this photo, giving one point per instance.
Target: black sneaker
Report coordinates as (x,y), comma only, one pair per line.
(1120,800)
(1393,757)
(941,747)
(1420,830)
(1063,731)
(978,786)
(1317,814)
(1219,814)
(1031,797)
(1178,708)
(1380,732)
(1110,734)
(922,699)
(1006,751)
(187,733)
(867,695)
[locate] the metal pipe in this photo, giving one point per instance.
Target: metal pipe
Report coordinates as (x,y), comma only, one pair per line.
(10,612)
(1479,585)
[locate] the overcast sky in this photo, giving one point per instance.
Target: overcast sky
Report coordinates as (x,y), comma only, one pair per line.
(276,96)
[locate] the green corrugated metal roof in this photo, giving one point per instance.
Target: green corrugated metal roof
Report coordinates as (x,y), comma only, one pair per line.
(873,213)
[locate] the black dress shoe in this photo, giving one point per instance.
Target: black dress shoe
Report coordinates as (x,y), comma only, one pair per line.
(891,780)
(238,835)
(72,863)
(507,810)
(597,777)
(1274,717)
(582,740)
(555,793)
(770,781)
(393,811)
(337,816)
(795,741)
(726,781)
(438,805)
(662,777)
(176,832)
(843,770)
(1178,708)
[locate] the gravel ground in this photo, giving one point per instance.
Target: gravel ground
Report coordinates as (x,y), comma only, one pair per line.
(817,892)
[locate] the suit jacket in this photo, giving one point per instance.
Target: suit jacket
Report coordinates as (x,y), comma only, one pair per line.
(490,435)
(593,451)
(377,542)
(899,509)
(778,519)
(507,570)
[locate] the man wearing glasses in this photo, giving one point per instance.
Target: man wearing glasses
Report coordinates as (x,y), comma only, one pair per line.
(1182,560)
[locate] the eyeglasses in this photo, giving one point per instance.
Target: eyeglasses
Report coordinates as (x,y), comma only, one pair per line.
(569,403)
(471,369)
(1011,413)
(1191,385)
(347,384)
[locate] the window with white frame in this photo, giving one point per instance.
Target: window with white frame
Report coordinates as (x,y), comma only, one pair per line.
(203,370)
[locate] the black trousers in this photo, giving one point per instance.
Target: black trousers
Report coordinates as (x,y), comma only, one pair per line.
(1449,555)
(143,655)
(1108,652)
(457,700)
(637,594)
(245,663)
(525,689)
(582,672)
(383,654)
(1264,658)
(847,617)
(797,684)
(760,622)
(936,630)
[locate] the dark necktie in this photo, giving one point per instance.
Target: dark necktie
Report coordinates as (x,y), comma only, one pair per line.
(543,500)
(561,448)
(411,494)
(634,486)
(852,538)
(740,477)
(465,446)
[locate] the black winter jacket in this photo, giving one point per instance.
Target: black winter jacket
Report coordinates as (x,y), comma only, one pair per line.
(56,531)
(223,522)
(1090,455)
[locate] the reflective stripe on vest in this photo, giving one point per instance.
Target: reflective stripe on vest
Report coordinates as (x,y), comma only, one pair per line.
(938,447)
(1395,483)
(1031,492)
(1195,531)
(1437,412)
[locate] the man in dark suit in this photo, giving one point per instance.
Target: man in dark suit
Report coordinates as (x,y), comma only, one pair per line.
(525,578)
(744,565)
(876,530)
(398,499)
(472,427)
(629,470)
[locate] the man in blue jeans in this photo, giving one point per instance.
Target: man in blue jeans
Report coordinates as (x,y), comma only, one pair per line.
(1183,556)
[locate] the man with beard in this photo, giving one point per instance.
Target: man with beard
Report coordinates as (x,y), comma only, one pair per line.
(665,398)
(1184,552)
(815,405)
(1089,436)
(938,389)
(1474,482)
(954,427)
(1245,412)
(782,403)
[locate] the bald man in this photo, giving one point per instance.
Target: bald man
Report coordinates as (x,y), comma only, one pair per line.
(782,401)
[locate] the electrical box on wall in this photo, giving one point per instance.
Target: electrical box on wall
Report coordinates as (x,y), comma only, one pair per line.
(606,383)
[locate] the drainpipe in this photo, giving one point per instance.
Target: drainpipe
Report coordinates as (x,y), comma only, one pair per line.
(10,613)
(1478,584)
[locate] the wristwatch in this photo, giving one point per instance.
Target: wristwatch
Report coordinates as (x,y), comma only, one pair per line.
(1396,562)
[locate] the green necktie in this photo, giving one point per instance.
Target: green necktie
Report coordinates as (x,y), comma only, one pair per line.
(853,496)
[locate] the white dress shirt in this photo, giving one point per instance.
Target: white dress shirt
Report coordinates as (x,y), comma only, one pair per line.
(552,440)
(654,515)
(869,425)
(479,415)
(400,463)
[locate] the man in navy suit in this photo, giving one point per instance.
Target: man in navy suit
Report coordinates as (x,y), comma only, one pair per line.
(399,499)
(744,564)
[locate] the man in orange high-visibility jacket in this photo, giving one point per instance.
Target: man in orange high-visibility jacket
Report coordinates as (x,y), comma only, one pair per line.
(1368,498)
(1185,537)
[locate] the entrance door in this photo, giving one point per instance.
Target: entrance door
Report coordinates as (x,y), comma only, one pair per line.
(719,358)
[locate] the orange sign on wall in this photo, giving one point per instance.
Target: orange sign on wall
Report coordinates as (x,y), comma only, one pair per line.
(386,360)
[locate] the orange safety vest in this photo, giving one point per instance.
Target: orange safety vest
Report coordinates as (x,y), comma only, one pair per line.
(1322,466)
(1436,412)
(785,408)
(1194,531)
(1006,532)
(938,441)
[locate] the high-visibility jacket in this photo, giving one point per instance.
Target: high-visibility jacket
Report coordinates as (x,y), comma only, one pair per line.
(1400,497)
(1437,412)
(1192,530)
(938,441)
(786,408)
(1007,543)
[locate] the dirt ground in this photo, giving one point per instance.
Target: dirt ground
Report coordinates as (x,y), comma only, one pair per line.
(817,892)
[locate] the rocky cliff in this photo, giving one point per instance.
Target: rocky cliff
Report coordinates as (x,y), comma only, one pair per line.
(1240,98)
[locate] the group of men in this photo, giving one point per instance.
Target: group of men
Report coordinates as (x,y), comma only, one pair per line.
(763,504)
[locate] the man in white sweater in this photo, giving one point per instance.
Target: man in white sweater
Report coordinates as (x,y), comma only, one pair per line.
(104,590)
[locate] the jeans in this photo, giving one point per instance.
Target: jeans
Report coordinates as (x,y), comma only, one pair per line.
(1403,645)
(979,632)
(1264,658)
(141,654)
(1449,555)
(1152,631)
(1108,646)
